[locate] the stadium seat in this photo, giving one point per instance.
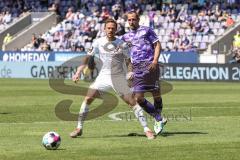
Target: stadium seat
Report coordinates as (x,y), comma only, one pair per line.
(215,31)
(203,46)
(177,25)
(221,31)
(171,25)
(168,32)
(63,3)
(178,6)
(234,11)
(217,25)
(198,38)
(210,24)
(160,19)
(205,38)
(195,12)
(170,45)
(196,44)
(165,25)
(163,45)
(188,31)
(160,38)
(211,38)
(162,32)
(181,31)
(165,38)
(156,31)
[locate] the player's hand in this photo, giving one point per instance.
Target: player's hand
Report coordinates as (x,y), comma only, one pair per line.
(129,75)
(153,66)
(75,78)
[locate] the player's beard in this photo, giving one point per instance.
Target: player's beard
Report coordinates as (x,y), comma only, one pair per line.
(134,27)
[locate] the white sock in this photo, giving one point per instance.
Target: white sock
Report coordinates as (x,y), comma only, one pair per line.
(138,111)
(82,114)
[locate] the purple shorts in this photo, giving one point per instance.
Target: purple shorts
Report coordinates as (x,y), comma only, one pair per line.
(144,80)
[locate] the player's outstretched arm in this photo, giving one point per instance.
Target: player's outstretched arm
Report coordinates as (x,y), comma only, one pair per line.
(130,73)
(157,50)
(77,75)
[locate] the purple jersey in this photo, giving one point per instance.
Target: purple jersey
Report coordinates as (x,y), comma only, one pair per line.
(141,42)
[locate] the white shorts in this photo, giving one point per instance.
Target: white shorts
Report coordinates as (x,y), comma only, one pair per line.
(116,82)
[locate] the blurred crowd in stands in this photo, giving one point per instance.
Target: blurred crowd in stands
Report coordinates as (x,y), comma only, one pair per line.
(180,25)
(10,10)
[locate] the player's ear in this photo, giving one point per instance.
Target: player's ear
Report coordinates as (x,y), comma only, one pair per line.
(138,19)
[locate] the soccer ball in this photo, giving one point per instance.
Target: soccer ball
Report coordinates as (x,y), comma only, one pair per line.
(51,140)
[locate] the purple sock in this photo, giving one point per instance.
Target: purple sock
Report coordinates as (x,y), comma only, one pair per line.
(150,109)
(158,105)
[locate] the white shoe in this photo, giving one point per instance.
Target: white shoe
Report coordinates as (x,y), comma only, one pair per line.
(158,126)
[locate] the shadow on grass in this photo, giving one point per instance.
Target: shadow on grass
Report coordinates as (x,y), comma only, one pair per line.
(59,149)
(164,134)
(4,113)
(114,136)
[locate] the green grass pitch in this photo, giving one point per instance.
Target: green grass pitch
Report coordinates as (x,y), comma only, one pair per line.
(204,124)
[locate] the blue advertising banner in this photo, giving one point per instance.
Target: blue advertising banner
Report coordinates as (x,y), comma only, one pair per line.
(28,56)
(202,72)
(35,56)
(179,57)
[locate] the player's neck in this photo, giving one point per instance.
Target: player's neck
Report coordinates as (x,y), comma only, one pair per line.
(111,38)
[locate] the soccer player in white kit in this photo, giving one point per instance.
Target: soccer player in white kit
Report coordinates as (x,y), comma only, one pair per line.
(112,52)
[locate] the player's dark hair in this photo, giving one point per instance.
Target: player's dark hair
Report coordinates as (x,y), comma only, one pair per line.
(110,20)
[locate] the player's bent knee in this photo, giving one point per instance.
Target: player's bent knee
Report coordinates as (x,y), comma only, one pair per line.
(132,102)
(89,100)
(139,99)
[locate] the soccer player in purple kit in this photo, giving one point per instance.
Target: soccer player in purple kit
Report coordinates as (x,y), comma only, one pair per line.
(145,51)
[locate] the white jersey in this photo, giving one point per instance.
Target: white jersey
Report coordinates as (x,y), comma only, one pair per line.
(112,54)
(112,74)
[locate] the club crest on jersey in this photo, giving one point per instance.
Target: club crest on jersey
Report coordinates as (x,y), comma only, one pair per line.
(115,48)
(110,47)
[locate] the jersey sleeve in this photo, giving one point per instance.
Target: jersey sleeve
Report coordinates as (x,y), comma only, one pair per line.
(123,37)
(94,49)
(152,36)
